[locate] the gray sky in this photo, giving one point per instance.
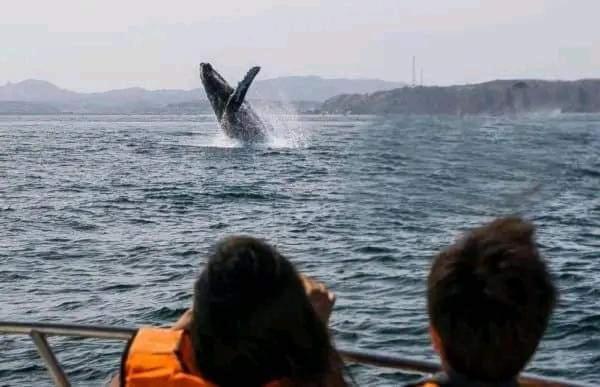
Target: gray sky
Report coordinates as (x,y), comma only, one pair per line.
(99,45)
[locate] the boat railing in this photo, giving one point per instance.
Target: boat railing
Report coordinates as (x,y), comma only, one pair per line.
(40,331)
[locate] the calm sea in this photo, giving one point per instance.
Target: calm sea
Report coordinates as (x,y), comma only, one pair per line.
(106,220)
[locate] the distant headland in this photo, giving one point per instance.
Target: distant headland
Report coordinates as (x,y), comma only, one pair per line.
(495,97)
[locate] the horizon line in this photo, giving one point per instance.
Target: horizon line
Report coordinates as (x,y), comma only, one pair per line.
(401,83)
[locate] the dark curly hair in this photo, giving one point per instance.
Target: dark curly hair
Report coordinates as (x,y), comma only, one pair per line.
(489,298)
(253,322)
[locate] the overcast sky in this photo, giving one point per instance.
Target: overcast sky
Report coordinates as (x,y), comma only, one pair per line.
(99,45)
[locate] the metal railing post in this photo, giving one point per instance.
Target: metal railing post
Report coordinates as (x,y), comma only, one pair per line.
(52,364)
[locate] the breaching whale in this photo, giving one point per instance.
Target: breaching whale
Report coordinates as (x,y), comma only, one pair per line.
(236,117)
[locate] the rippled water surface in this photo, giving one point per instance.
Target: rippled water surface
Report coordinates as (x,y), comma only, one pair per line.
(106,219)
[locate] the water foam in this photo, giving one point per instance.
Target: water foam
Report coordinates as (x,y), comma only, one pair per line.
(215,138)
(221,140)
(283,128)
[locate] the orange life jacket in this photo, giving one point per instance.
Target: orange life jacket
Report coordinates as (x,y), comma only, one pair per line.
(163,358)
(443,379)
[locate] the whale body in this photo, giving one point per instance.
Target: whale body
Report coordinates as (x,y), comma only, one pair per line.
(235,116)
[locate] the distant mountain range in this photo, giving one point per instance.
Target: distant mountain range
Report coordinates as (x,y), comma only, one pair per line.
(36,96)
(314,94)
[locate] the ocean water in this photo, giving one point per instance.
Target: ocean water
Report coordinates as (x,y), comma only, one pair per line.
(106,220)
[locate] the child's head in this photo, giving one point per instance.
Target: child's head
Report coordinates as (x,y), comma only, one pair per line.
(489,299)
(253,322)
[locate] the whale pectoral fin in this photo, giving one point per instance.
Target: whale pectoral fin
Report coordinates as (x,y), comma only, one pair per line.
(237,98)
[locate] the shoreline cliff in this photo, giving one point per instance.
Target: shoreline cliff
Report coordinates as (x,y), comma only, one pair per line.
(495,97)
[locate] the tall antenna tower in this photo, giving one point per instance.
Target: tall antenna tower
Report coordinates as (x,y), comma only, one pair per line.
(414,74)
(421,76)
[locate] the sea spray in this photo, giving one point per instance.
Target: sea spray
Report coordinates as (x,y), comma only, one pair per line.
(284,129)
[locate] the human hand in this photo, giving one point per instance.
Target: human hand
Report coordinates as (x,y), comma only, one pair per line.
(321,299)
(184,321)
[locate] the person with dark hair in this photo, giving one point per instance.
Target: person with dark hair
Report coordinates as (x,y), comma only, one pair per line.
(254,322)
(489,299)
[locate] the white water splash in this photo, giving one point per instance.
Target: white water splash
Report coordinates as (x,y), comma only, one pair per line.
(216,139)
(283,130)
(221,140)
(545,113)
(283,126)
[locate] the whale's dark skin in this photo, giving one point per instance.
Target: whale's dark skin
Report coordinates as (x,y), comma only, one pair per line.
(236,117)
